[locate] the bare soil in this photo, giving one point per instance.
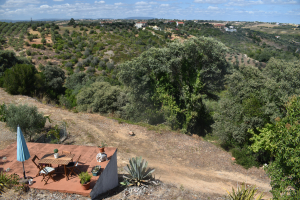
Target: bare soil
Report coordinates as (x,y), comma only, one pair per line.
(187,162)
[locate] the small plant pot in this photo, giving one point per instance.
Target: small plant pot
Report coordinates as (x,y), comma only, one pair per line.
(85,186)
(101,149)
(56,155)
(96,172)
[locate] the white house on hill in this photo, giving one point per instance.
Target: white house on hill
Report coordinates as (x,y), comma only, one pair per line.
(179,23)
(140,24)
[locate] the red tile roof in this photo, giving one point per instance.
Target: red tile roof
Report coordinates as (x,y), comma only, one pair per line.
(219,25)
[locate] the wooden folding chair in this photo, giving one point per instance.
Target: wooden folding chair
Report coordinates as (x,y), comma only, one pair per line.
(72,166)
(65,153)
(40,166)
(47,173)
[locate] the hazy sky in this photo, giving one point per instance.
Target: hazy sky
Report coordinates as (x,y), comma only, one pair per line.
(242,10)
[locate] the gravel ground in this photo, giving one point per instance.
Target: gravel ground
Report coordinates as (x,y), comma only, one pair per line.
(159,191)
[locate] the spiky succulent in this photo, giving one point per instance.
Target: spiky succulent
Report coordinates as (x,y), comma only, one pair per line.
(138,173)
(244,193)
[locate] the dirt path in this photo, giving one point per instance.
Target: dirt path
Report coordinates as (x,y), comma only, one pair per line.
(188,162)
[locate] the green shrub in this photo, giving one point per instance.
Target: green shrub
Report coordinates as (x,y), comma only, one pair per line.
(54,77)
(28,52)
(244,193)
(99,97)
(27,117)
(54,135)
(39,58)
(244,157)
(60,47)
(138,174)
(20,79)
(67,101)
(8,59)
(3,112)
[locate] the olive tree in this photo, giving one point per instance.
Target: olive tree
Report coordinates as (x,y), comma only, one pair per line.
(27,117)
(98,97)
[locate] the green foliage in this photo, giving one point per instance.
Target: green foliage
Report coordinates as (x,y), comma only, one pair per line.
(54,77)
(68,100)
(3,112)
(72,22)
(175,80)
(28,52)
(9,59)
(55,150)
(44,41)
(281,139)
(244,157)
(103,144)
(75,80)
(54,133)
(138,174)
(85,177)
(254,98)
(28,117)
(20,79)
(8,181)
(244,193)
(98,97)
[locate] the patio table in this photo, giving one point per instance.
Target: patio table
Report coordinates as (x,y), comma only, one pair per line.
(63,159)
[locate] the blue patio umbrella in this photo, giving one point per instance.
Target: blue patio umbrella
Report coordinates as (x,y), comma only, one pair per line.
(22,150)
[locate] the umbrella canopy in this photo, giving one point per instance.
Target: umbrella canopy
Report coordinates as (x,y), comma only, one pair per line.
(22,150)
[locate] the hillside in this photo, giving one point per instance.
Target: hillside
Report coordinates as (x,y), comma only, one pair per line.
(187,162)
(195,78)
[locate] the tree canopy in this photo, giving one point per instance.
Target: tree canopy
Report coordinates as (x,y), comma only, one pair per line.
(176,79)
(28,117)
(72,22)
(54,78)
(281,138)
(255,97)
(20,79)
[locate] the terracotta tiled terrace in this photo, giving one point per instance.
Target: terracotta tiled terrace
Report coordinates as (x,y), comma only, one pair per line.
(86,163)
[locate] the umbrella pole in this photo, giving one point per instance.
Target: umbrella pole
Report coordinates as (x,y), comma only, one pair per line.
(23,170)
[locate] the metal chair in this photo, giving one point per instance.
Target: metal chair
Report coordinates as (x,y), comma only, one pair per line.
(72,166)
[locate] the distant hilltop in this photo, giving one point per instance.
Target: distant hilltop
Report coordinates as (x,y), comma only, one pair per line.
(53,19)
(50,19)
(139,18)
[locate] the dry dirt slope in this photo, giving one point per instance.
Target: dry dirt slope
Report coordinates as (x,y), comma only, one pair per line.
(188,162)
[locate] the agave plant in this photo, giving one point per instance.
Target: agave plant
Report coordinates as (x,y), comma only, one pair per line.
(2,186)
(137,172)
(244,194)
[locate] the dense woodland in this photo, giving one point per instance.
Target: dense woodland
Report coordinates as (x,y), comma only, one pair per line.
(195,84)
